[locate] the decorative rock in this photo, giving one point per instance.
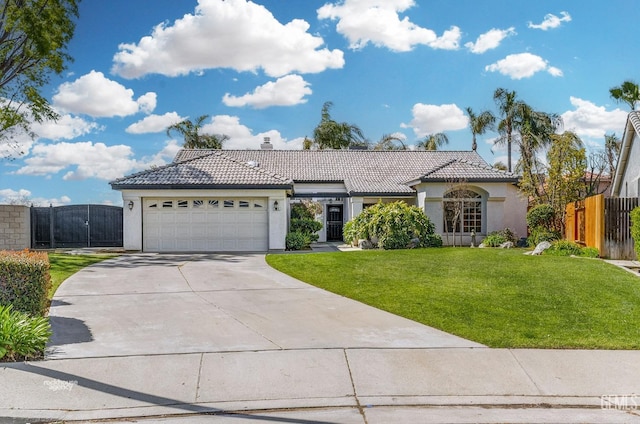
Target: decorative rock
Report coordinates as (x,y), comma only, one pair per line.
(365,244)
(541,247)
(415,242)
(507,245)
(482,246)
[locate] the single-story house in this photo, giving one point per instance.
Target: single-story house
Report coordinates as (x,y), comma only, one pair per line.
(626,181)
(239,200)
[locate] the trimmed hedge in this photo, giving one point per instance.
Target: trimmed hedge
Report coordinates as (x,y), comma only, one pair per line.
(635,229)
(25,281)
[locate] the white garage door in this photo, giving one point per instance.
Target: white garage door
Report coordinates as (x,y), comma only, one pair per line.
(205,225)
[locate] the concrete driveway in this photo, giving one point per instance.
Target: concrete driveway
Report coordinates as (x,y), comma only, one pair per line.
(162,304)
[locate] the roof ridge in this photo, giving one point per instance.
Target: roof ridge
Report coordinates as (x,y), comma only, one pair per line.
(485,166)
(439,167)
(156,168)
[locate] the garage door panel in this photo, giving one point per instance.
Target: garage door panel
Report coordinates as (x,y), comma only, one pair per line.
(222,224)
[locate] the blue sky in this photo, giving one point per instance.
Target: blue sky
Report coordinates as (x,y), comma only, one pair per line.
(265,68)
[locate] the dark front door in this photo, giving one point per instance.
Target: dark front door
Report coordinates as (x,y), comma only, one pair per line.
(334,222)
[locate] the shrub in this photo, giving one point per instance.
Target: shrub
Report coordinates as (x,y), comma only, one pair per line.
(394,225)
(635,229)
(494,239)
(25,281)
(22,336)
(590,252)
(303,226)
(538,235)
(541,216)
(564,248)
(297,241)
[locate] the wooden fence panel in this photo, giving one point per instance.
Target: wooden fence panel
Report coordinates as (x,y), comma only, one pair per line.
(594,210)
(618,243)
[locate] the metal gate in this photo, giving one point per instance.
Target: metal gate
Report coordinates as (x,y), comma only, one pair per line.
(76,226)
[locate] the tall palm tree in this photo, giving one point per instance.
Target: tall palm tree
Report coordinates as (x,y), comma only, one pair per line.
(330,134)
(628,92)
(511,110)
(193,139)
(433,141)
(390,142)
(479,124)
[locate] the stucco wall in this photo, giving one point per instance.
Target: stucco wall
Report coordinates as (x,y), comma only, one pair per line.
(630,186)
(505,207)
(15,227)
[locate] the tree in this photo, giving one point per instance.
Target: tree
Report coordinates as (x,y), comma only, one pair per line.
(612,146)
(628,92)
(511,110)
(33,40)
(479,124)
(433,142)
(567,165)
(330,134)
(193,139)
(390,142)
(535,132)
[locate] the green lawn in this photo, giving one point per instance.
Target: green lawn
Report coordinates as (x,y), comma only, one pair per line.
(501,298)
(63,266)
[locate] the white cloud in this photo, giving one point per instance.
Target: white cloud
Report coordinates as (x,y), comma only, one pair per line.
(522,65)
(65,128)
(237,34)
(489,40)
(590,120)
(431,119)
(378,22)
(87,160)
(289,90)
(95,95)
(551,21)
(24,197)
(242,137)
(154,123)
(163,157)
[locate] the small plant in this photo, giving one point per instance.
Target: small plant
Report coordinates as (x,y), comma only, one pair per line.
(635,229)
(22,336)
(590,252)
(296,241)
(303,227)
(494,239)
(538,235)
(564,248)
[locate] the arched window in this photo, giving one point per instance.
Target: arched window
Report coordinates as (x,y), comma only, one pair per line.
(462,211)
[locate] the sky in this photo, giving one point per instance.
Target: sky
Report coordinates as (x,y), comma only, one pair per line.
(264,68)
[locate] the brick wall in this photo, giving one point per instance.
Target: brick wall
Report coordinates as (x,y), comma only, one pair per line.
(15,227)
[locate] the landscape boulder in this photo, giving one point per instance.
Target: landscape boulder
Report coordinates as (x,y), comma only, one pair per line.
(541,247)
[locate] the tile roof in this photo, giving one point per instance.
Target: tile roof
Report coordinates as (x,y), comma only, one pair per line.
(362,171)
(216,169)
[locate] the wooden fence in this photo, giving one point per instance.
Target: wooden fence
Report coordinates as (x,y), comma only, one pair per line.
(602,223)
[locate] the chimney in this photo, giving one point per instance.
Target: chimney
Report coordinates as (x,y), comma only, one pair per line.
(267,144)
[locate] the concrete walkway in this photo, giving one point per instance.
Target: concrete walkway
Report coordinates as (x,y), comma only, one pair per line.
(189,338)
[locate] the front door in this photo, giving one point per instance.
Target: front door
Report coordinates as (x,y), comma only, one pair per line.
(334,222)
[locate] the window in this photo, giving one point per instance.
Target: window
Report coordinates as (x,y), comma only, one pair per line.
(213,203)
(243,204)
(462,211)
(153,205)
(258,204)
(198,204)
(167,204)
(183,204)
(229,203)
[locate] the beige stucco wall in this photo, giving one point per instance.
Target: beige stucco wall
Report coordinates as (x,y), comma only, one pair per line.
(15,227)
(505,207)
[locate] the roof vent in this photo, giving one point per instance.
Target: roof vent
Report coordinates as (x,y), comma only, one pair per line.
(267,144)
(253,164)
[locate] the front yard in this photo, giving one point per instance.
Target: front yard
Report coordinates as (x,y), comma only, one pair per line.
(501,298)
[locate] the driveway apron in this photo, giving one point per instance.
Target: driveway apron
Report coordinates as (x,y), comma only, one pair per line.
(145,304)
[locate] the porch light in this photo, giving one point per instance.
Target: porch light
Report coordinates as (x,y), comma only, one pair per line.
(130,205)
(276,207)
